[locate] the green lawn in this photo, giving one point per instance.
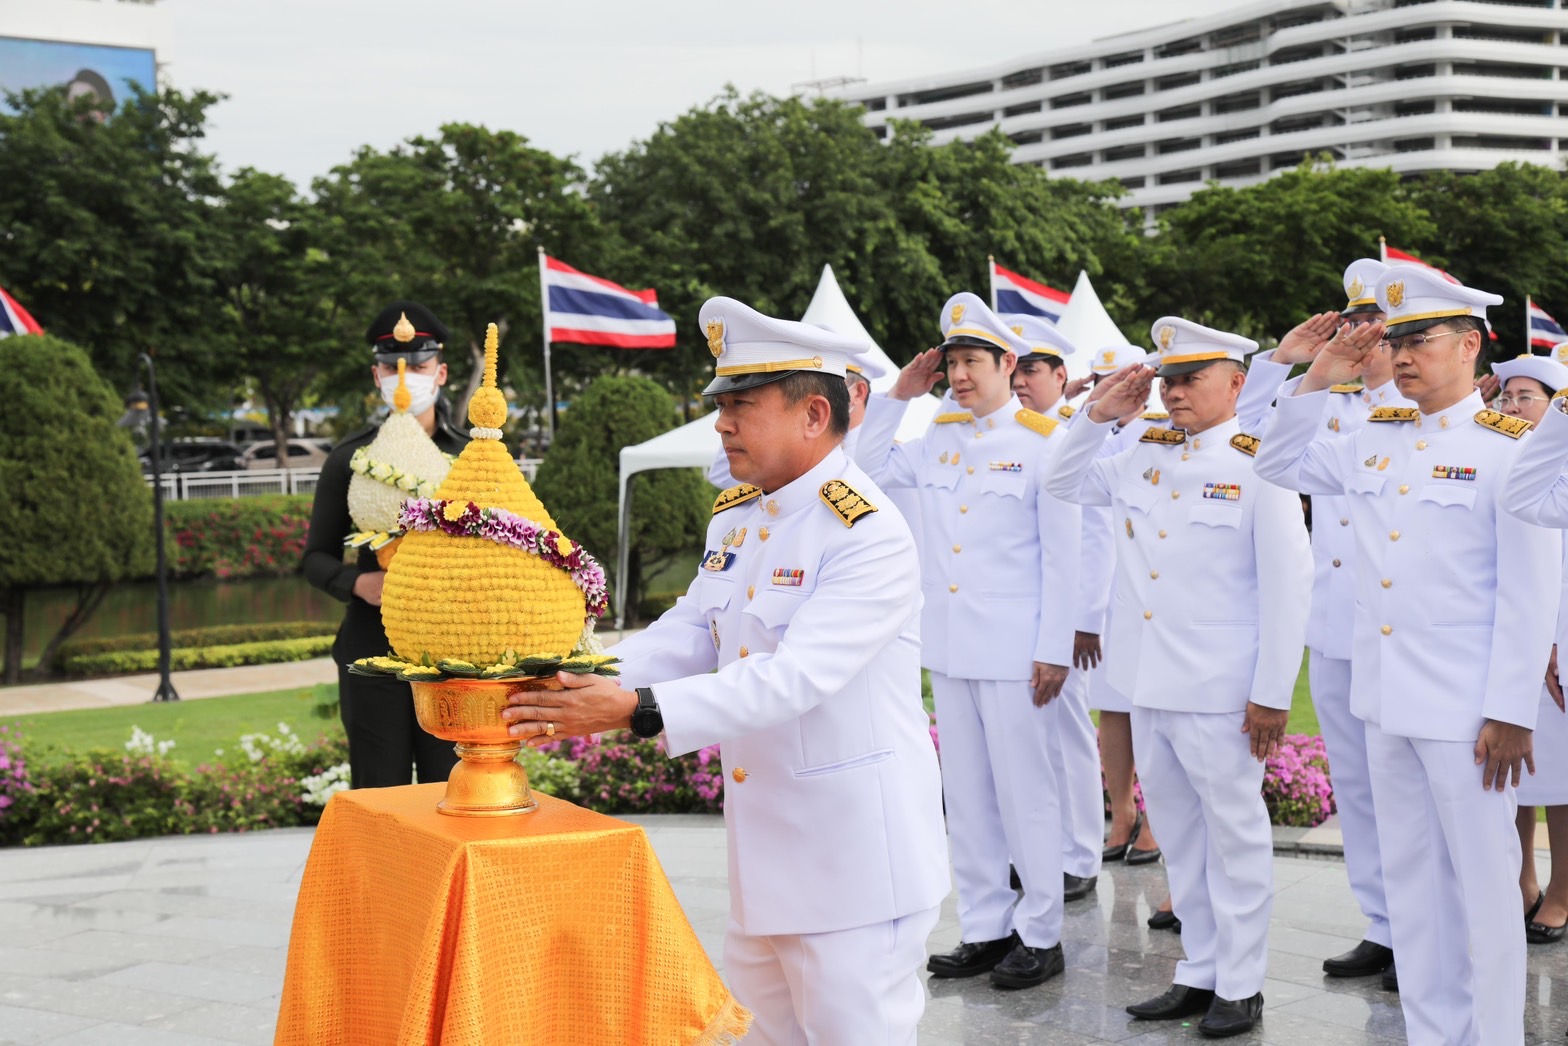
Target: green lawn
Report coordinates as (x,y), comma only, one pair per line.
(198,728)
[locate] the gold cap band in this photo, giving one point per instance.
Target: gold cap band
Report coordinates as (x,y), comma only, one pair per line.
(1446,314)
(769,367)
(1194,357)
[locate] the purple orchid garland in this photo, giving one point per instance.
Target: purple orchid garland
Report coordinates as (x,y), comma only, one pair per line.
(512,530)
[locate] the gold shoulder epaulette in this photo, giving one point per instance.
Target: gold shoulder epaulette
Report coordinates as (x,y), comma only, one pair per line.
(1248,445)
(948,419)
(1394,414)
(1155,415)
(1169,437)
(845,501)
(1066,411)
(1035,421)
(735,496)
(1507,424)
(1347,388)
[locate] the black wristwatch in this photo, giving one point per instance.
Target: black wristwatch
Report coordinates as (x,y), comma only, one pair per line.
(647,720)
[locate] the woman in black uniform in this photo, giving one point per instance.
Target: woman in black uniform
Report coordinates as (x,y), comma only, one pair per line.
(384,739)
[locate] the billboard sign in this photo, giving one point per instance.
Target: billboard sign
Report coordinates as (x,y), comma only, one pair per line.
(107,72)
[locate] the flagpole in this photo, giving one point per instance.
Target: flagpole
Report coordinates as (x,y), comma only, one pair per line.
(1382,250)
(544,312)
(1529,348)
(990,264)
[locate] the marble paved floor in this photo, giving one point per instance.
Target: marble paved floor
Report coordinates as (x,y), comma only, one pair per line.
(182,941)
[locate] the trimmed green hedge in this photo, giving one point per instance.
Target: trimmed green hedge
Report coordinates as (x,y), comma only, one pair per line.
(184,638)
(117,662)
(229,538)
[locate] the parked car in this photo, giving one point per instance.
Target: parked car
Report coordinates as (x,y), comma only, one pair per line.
(302,454)
(194,455)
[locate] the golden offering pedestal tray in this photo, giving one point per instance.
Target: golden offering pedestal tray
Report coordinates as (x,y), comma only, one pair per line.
(487,781)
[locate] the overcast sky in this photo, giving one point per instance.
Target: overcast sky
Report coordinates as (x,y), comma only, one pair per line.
(310,80)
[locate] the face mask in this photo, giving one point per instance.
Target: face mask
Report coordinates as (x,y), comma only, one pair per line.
(422,387)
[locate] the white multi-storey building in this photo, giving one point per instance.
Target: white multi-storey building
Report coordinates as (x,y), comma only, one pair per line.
(1415,85)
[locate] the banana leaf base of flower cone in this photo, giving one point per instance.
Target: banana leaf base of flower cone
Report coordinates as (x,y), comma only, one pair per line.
(385,553)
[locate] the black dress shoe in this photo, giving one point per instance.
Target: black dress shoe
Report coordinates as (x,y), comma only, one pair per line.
(1540,933)
(1363,960)
(1076,887)
(1529,915)
(1177,1002)
(1116,853)
(1391,979)
(1136,857)
(1164,921)
(1226,1018)
(971,959)
(1026,967)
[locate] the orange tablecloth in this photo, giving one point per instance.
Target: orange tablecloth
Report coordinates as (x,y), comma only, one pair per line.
(552,927)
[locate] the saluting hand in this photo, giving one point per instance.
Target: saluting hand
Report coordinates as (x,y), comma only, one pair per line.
(1499,751)
(1046,681)
(1488,385)
(918,377)
(1123,393)
(1344,357)
(1072,389)
(1267,727)
(1307,338)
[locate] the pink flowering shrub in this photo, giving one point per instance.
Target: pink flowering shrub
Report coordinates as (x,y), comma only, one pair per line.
(18,796)
(623,774)
(1296,785)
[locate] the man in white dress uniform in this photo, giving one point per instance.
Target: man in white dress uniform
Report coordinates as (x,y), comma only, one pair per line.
(999,570)
(1455,610)
(1038,382)
(1330,627)
(1207,625)
(808,605)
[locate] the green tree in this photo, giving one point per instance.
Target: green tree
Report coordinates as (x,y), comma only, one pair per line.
(281,325)
(1504,231)
(579,480)
(77,510)
(456,223)
(105,233)
(1259,259)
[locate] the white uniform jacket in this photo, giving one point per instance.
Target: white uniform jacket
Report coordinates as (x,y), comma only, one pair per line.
(1437,648)
(998,555)
(1212,568)
(833,803)
(1331,624)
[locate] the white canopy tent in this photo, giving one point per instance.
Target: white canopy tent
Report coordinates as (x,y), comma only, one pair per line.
(695,444)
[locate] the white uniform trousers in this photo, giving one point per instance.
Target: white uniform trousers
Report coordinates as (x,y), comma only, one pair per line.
(1078,779)
(1451,862)
(999,785)
(849,986)
(1345,738)
(1205,791)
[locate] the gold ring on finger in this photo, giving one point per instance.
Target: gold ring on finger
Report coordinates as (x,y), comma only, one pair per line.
(549,729)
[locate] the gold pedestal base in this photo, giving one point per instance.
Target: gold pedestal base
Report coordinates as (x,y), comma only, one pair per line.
(487,781)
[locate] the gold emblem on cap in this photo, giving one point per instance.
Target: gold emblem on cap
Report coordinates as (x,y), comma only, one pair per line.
(403,331)
(1110,357)
(1167,335)
(715,330)
(957,315)
(1018,329)
(1562,352)
(1355,289)
(1396,294)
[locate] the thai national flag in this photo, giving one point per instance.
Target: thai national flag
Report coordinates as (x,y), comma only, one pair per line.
(1011,292)
(14,319)
(1545,332)
(589,310)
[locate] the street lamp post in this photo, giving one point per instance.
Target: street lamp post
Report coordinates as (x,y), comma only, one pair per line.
(136,404)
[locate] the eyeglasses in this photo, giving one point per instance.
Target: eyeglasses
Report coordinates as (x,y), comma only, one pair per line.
(1509,401)
(1415,342)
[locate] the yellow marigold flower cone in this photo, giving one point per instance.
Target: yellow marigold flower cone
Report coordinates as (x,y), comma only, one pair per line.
(468,598)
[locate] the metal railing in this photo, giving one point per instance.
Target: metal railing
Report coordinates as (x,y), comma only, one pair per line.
(196,486)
